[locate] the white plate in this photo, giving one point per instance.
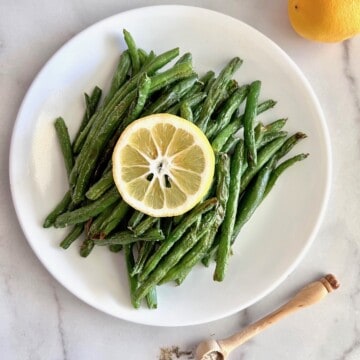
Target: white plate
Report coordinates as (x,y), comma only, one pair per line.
(271,244)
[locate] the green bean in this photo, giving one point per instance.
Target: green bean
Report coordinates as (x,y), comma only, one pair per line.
(172,96)
(59,209)
(116,84)
(270,136)
(230,144)
(235,125)
(117,215)
(264,106)
(65,144)
(167,226)
(289,144)
(92,128)
(276,125)
(134,55)
(180,279)
(176,234)
(91,102)
(142,96)
(119,76)
(167,77)
(280,169)
(173,257)
(227,226)
(148,60)
(186,112)
(222,188)
(230,88)
(207,77)
(228,109)
(151,298)
(177,219)
(103,165)
(150,67)
(269,132)
(158,224)
(197,224)
(193,100)
(145,225)
(187,262)
(210,254)
(145,251)
(133,283)
(222,194)
(72,236)
(101,186)
(215,92)
(91,154)
(127,237)
(112,114)
(96,225)
(259,132)
(115,248)
(135,219)
(138,104)
(266,138)
(263,157)
(209,84)
(249,119)
(252,198)
(267,147)
(107,168)
(143,55)
(197,112)
(211,129)
(88,211)
(195,89)
(187,57)
(223,136)
(86,247)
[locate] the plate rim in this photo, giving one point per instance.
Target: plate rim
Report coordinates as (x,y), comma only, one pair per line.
(325,195)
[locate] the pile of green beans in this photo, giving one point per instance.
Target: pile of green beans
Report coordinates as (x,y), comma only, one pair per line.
(248,155)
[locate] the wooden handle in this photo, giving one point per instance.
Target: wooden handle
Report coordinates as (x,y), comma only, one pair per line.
(307,296)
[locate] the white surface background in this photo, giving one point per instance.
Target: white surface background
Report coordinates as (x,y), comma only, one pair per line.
(39,319)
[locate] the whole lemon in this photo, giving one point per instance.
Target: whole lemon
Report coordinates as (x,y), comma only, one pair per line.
(325,20)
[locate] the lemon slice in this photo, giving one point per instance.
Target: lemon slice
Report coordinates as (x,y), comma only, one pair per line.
(163,165)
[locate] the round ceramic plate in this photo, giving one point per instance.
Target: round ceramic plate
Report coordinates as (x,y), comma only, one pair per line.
(276,237)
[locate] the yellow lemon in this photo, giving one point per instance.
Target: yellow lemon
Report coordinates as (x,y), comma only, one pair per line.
(163,165)
(325,20)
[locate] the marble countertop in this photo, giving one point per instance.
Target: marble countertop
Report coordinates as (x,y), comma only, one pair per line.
(39,319)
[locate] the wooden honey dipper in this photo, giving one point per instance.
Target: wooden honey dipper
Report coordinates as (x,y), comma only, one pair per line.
(309,295)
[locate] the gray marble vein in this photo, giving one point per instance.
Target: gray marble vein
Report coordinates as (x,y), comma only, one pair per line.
(60,328)
(349,75)
(353,349)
